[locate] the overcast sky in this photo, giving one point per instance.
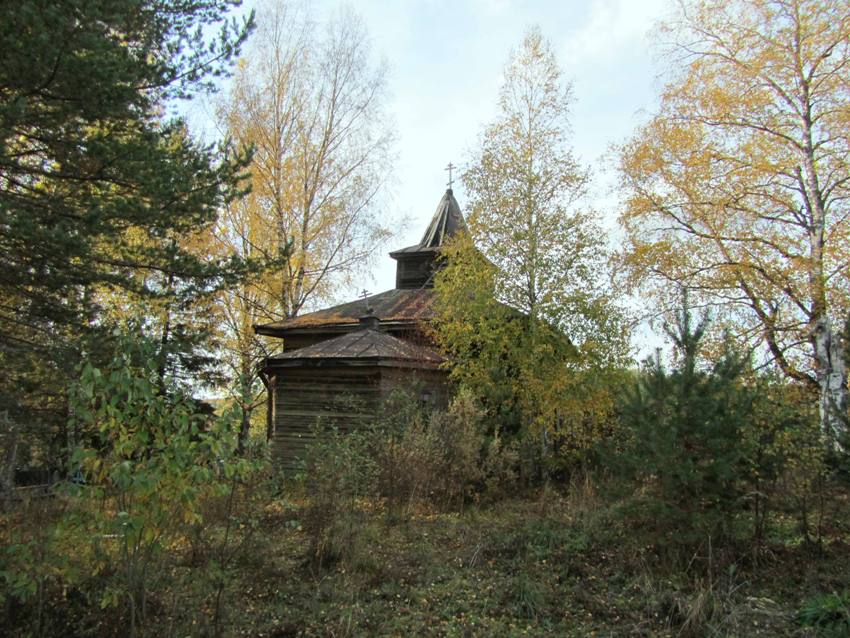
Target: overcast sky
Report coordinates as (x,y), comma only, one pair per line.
(446,60)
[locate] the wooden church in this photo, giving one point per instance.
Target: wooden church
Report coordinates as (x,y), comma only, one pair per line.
(340,362)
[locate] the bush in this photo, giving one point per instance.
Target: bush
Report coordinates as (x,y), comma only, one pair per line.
(404,451)
(787,464)
(459,448)
(445,457)
(39,555)
(146,462)
(151,475)
(408,455)
(829,614)
(339,472)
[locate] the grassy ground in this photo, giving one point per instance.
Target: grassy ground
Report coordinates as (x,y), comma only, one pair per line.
(542,565)
(546,564)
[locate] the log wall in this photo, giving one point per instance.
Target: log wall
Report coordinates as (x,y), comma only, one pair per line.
(340,397)
(308,397)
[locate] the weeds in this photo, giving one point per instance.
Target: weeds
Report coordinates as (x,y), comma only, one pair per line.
(829,614)
(222,550)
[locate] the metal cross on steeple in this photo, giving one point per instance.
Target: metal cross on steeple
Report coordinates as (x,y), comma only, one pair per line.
(449,169)
(364,293)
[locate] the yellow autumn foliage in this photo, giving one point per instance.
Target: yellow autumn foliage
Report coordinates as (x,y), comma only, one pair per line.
(738,186)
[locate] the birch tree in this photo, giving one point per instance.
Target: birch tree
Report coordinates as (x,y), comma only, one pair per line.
(545,257)
(526,191)
(308,98)
(738,185)
(242,307)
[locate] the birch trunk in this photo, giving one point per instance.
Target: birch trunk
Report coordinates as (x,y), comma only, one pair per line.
(832,379)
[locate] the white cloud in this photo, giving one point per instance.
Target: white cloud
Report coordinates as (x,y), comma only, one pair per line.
(612,29)
(492,7)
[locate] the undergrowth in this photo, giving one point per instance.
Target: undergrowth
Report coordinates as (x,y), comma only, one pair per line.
(560,562)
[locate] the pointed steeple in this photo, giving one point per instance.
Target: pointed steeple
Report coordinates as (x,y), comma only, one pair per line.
(416,264)
(446,222)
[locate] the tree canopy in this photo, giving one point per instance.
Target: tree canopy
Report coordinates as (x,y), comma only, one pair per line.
(97,186)
(525,319)
(310,100)
(738,185)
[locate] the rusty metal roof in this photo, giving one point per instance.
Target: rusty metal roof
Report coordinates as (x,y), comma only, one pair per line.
(396,306)
(363,344)
(416,248)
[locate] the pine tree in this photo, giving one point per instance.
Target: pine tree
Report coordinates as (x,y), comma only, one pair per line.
(97,187)
(686,429)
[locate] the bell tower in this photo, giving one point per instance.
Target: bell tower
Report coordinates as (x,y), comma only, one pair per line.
(416,265)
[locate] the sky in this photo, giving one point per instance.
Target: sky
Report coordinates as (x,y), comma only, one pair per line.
(446,61)
(445,67)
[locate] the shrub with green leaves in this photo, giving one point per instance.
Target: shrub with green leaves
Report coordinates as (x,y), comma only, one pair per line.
(787,460)
(339,472)
(443,456)
(149,457)
(828,614)
(37,557)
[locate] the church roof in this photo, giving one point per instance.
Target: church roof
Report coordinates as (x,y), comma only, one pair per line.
(447,221)
(368,344)
(409,303)
(393,307)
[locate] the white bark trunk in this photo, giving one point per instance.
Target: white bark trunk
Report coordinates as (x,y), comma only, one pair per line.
(832,377)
